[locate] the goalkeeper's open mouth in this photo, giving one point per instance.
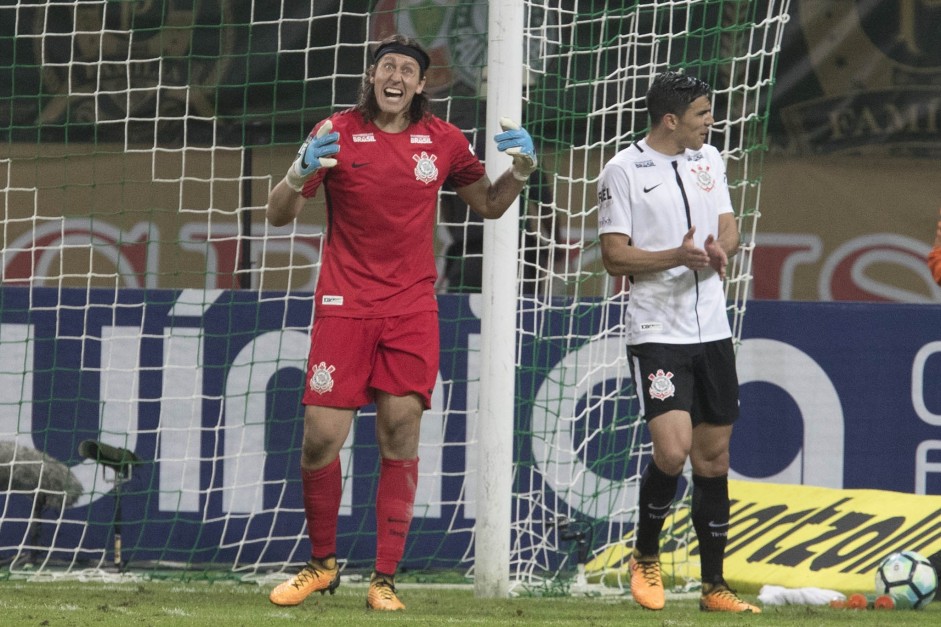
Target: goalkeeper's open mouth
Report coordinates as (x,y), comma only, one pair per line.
(392,93)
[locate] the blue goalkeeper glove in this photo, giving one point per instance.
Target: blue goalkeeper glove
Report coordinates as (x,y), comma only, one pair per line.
(314,153)
(516,142)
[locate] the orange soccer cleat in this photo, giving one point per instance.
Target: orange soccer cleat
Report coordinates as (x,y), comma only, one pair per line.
(382,595)
(646,582)
(317,576)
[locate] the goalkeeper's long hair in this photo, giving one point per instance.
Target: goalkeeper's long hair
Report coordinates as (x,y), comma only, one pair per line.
(367,104)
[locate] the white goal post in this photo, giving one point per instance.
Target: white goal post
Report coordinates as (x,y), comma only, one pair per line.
(498,325)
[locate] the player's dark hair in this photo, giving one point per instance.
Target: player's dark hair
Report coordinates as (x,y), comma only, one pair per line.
(673,92)
(367,104)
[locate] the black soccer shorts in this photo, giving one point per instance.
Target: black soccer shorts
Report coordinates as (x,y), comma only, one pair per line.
(699,379)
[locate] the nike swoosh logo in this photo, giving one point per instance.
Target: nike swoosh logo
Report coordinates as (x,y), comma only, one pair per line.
(359,165)
(715,525)
(660,507)
(647,190)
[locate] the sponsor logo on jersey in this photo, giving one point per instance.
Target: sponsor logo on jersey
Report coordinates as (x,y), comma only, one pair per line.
(321,378)
(361,138)
(696,156)
(421,139)
(703,177)
(332,300)
(425,169)
(661,387)
(644,164)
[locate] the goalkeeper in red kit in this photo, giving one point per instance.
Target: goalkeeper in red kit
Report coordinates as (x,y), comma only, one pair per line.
(375,331)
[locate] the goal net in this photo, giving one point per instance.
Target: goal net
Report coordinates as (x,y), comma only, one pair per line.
(154,330)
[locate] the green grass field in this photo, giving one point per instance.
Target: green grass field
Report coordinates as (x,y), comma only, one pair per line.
(76,603)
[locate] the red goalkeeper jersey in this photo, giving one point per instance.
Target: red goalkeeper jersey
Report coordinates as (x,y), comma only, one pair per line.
(378,256)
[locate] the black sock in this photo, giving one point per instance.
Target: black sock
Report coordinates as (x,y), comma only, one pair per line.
(657,491)
(710,512)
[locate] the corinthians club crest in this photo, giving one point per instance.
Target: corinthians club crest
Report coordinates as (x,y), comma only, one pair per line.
(703,177)
(661,385)
(132,64)
(425,169)
(321,378)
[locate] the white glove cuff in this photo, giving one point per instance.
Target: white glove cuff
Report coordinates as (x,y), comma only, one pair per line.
(522,168)
(294,180)
(519,176)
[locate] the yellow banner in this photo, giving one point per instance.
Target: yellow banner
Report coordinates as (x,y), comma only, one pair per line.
(797,536)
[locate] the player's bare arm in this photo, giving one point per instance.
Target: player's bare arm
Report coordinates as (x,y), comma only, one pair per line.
(728,237)
(620,258)
(285,200)
(721,248)
(284,204)
(491,200)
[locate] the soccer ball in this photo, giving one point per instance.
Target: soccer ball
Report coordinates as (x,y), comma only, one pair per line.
(908,578)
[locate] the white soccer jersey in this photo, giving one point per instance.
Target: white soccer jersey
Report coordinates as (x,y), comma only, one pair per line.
(654,198)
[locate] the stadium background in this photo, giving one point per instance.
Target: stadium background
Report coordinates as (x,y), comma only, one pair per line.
(849,202)
(849,183)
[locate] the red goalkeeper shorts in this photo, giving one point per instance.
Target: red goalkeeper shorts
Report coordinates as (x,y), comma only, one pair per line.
(351,358)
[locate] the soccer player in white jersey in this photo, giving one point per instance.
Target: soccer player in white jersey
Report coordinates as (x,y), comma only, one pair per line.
(375,332)
(666,222)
